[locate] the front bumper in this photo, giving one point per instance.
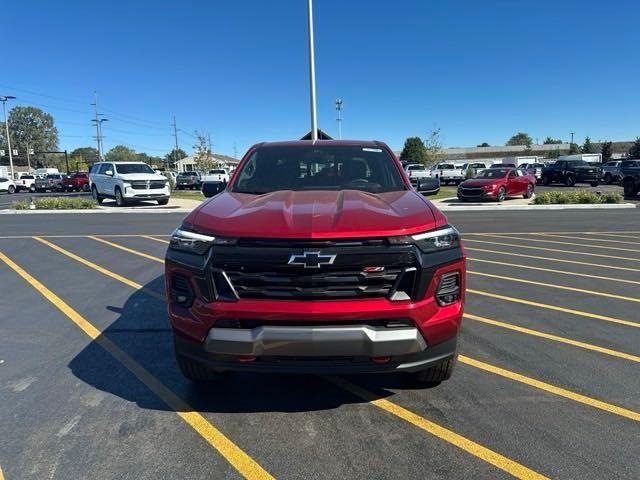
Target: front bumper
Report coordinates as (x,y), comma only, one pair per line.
(346,364)
(147,194)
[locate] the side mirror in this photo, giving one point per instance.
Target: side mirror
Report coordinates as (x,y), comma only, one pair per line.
(109,172)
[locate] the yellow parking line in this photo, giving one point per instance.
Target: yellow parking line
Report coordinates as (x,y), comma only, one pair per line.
(573,252)
(608,240)
(149,237)
(555,338)
(242,462)
(552,259)
(129,250)
(559,287)
(102,270)
(611,232)
(563,272)
(555,308)
(576,397)
(615,235)
(511,237)
(503,463)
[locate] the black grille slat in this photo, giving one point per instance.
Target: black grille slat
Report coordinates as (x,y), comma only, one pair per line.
(258,268)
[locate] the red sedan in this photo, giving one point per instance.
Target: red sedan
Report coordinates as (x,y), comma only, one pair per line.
(497,184)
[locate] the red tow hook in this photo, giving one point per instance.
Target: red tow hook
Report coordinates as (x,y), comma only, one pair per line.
(246,358)
(381,360)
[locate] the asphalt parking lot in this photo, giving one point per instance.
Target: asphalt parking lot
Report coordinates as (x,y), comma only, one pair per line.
(547,383)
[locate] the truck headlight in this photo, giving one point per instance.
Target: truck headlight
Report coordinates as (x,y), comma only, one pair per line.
(432,241)
(193,242)
(441,239)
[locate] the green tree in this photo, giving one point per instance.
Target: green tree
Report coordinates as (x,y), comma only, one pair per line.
(520,138)
(174,155)
(587,146)
(202,157)
(433,145)
(82,158)
(414,150)
(30,127)
(552,141)
(484,144)
(574,148)
(634,151)
(554,153)
(121,153)
(606,150)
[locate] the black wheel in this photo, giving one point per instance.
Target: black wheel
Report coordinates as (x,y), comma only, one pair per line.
(436,374)
(629,187)
(501,195)
(120,201)
(85,187)
(32,188)
(529,192)
(163,201)
(595,184)
(194,371)
(11,189)
(546,180)
(569,181)
(608,179)
(94,194)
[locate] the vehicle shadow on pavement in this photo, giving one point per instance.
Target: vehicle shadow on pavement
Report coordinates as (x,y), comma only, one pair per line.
(143,332)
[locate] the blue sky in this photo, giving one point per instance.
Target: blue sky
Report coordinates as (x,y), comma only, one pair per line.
(238,70)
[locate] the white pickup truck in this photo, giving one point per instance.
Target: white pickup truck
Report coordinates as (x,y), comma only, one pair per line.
(26,181)
(449,172)
(416,171)
(216,175)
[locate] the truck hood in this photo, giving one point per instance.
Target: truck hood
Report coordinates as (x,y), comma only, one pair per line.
(316,214)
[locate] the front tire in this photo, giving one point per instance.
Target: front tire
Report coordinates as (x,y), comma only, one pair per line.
(546,180)
(120,201)
(195,371)
(595,184)
(164,201)
(501,195)
(11,189)
(32,189)
(569,181)
(85,187)
(529,192)
(435,375)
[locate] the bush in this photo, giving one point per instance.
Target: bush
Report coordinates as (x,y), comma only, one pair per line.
(57,203)
(577,196)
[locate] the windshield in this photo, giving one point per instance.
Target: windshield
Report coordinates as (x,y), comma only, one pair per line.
(493,173)
(125,168)
(446,166)
(270,169)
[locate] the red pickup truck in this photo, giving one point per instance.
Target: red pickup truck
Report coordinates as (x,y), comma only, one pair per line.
(76,182)
(317,258)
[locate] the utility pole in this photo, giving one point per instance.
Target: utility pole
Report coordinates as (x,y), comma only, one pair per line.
(312,73)
(97,122)
(571,137)
(175,136)
(339,119)
(4,99)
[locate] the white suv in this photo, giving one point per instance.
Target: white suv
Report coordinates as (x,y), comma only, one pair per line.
(127,182)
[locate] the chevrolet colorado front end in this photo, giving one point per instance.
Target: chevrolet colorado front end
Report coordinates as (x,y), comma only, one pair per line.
(316,258)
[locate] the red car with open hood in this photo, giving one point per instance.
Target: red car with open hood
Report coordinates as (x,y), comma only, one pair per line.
(321,258)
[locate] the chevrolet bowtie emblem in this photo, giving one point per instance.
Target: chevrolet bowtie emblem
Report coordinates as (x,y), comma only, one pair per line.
(311,259)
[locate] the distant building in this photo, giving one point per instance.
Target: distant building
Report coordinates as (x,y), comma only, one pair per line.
(188,163)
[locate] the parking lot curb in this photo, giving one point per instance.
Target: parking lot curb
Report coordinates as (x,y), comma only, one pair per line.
(114,210)
(501,206)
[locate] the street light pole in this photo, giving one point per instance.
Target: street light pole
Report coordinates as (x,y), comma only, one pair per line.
(97,122)
(572,137)
(339,119)
(312,73)
(4,99)
(175,136)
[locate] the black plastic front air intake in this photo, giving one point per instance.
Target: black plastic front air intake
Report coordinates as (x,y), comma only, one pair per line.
(181,291)
(448,288)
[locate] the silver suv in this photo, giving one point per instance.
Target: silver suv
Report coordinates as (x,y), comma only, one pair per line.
(127,182)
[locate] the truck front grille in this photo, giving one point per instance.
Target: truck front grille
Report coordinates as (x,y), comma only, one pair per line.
(259,269)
